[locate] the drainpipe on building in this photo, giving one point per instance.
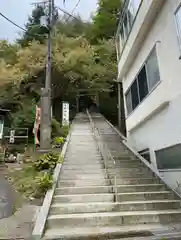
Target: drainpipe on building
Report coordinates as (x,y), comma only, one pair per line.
(121,110)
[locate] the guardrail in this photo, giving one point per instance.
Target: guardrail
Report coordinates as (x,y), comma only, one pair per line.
(106,154)
(126,144)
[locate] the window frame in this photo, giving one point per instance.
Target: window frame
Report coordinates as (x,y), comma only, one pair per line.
(146,151)
(121,23)
(160,164)
(136,79)
(177,26)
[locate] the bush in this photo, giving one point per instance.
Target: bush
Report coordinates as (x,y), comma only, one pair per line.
(31,183)
(44,182)
(64,131)
(56,128)
(47,162)
(59,140)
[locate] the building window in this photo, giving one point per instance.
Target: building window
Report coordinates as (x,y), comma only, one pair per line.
(129,102)
(143,84)
(152,70)
(145,154)
(178,22)
(134,95)
(169,158)
(128,17)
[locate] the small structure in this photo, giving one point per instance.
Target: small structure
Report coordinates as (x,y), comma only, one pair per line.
(4,120)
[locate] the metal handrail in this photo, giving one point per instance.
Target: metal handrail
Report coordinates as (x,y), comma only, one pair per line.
(104,150)
(124,141)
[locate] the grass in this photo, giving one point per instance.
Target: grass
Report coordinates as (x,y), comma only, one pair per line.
(29,182)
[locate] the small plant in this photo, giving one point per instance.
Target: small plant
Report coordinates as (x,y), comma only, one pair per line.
(56,128)
(43,182)
(47,162)
(64,130)
(59,141)
(61,159)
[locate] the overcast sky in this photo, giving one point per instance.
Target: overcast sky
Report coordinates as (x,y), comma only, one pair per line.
(18,12)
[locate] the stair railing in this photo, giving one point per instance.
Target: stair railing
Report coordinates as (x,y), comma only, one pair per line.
(146,163)
(106,154)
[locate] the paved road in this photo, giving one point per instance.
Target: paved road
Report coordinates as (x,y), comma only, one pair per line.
(6,197)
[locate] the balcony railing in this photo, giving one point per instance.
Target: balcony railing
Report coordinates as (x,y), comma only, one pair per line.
(130,10)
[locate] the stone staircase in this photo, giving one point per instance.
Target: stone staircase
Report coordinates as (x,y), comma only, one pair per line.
(87,203)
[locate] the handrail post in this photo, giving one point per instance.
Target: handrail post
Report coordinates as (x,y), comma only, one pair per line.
(106,154)
(115,188)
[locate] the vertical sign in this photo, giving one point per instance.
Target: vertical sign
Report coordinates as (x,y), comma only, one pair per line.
(65,113)
(12,134)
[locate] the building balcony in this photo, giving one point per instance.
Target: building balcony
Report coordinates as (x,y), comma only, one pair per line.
(135,22)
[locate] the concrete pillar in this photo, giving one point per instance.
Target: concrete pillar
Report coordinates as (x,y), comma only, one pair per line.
(45,127)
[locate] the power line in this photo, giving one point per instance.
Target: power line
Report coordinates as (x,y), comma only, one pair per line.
(77,4)
(15,24)
(74,9)
(64,11)
(18,26)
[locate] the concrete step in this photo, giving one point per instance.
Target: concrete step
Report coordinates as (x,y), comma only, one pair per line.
(79,198)
(102,181)
(70,208)
(110,189)
(126,164)
(135,180)
(113,218)
(84,182)
(131,232)
(141,196)
(81,176)
(84,169)
(75,167)
(84,190)
(84,175)
(86,161)
(141,188)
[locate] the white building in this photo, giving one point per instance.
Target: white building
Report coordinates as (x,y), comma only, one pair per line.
(149,51)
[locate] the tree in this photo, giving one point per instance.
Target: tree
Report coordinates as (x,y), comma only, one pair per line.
(73,27)
(106,19)
(34,29)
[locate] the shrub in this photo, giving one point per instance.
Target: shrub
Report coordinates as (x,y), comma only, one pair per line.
(47,162)
(43,182)
(64,131)
(56,128)
(59,140)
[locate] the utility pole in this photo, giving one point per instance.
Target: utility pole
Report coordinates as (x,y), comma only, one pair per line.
(46,118)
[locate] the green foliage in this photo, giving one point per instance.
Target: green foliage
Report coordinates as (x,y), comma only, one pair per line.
(24,117)
(106,19)
(74,27)
(44,182)
(64,131)
(34,29)
(56,128)
(47,162)
(59,140)
(81,59)
(31,183)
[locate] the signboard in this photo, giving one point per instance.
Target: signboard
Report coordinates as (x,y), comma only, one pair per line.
(12,134)
(65,113)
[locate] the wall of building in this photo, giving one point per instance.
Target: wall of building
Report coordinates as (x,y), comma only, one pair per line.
(164,128)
